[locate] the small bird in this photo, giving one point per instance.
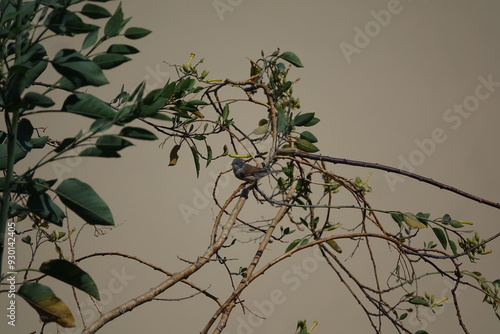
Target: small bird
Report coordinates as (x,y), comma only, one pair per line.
(249,173)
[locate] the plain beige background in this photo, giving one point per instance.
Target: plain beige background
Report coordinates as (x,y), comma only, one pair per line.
(376,104)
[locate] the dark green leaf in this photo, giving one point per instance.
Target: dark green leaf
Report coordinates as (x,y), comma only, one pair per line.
(312,122)
(282,121)
(292,245)
(49,307)
(309,137)
(19,154)
(112,143)
(123,49)
(95,11)
(37,99)
(418,301)
(90,39)
(24,133)
(137,133)
(136,33)
(43,206)
(291,58)
(209,155)
(101,124)
(196,158)
(71,274)
(95,152)
(64,22)
(88,105)
(85,202)
(110,60)
(115,23)
(303,119)
(39,142)
(453,247)
(306,146)
(78,69)
(27,240)
(441,236)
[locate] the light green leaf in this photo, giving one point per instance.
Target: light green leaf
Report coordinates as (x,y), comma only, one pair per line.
(412,221)
(306,146)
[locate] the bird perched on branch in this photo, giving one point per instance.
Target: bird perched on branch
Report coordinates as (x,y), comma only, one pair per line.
(249,173)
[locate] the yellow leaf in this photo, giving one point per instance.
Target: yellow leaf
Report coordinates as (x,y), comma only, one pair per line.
(332,243)
(173,155)
(412,221)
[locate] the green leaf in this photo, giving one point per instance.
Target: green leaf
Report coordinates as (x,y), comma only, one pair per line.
(412,221)
(282,121)
(332,243)
(453,247)
(196,158)
(110,60)
(304,145)
(418,301)
(441,236)
(95,152)
(123,49)
(19,154)
(398,217)
(49,307)
(43,206)
(291,58)
(71,274)
(137,133)
(88,105)
(37,99)
(456,224)
(95,11)
(85,202)
(302,119)
(136,33)
(90,39)
(64,22)
(78,69)
(112,143)
(115,23)
(225,112)
(309,137)
(292,245)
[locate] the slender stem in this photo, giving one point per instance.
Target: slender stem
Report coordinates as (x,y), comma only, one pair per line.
(11,145)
